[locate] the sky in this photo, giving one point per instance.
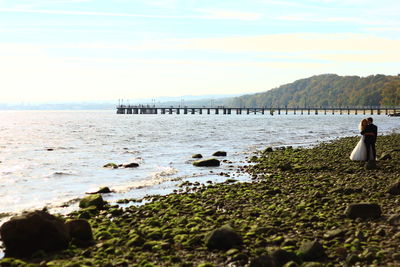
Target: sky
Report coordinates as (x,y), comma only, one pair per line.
(100,50)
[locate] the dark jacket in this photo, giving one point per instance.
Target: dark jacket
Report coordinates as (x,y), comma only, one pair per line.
(370,128)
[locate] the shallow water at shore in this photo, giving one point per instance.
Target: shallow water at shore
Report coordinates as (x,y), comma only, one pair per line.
(49,158)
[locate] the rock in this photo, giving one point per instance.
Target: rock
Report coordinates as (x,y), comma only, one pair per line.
(223,238)
(111,166)
(312,250)
(93,200)
(352,259)
(23,235)
(262,261)
(334,233)
(131,165)
(102,190)
(268,150)
(385,156)
(394,189)
(207,163)
(394,219)
(197,156)
(285,166)
(312,264)
(220,154)
(370,165)
(291,264)
(80,229)
(396,256)
(363,211)
(281,257)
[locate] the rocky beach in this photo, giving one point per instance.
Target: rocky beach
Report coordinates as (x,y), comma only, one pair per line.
(304,207)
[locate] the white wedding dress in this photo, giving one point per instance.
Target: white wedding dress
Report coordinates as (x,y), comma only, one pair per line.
(359,153)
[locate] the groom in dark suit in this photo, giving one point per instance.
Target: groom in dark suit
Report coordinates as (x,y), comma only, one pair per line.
(370,133)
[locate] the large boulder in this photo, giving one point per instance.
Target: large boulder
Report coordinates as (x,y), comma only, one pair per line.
(92,200)
(220,154)
(223,238)
(207,163)
(312,250)
(30,232)
(363,211)
(80,229)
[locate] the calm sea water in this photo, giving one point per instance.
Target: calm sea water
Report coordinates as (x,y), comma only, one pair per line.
(49,158)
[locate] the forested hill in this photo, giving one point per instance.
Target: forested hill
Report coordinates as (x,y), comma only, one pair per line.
(328,90)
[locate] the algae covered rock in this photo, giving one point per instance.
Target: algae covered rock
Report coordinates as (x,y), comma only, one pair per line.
(92,200)
(197,156)
(363,211)
(24,235)
(223,238)
(220,154)
(80,229)
(207,163)
(111,166)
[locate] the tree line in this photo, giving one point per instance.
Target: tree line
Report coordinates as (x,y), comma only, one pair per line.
(327,90)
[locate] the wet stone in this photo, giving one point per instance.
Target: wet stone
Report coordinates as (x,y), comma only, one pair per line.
(207,163)
(220,154)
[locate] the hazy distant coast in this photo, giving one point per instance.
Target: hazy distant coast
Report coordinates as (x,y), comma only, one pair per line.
(317,91)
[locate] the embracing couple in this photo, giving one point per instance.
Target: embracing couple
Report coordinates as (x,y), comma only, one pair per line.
(365,149)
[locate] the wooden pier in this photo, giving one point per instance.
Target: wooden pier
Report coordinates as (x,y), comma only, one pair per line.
(147,109)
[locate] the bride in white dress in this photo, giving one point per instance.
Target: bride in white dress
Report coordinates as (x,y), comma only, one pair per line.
(359,153)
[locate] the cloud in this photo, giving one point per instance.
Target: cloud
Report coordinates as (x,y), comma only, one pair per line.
(293,43)
(229,14)
(362,20)
(208,14)
(86,13)
(368,46)
(383,29)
